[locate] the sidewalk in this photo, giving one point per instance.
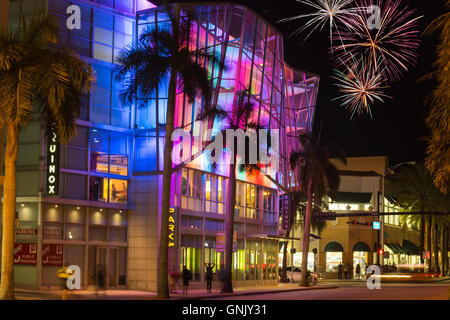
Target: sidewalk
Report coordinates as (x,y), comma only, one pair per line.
(360,281)
(197,294)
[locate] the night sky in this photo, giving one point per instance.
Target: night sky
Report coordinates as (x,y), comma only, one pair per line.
(397,129)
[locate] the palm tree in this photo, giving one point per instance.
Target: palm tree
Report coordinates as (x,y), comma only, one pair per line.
(239,118)
(413,190)
(438,120)
(317,177)
(295,198)
(34,72)
(298,201)
(160,54)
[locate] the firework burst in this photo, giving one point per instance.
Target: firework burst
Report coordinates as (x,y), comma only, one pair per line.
(360,86)
(394,43)
(328,12)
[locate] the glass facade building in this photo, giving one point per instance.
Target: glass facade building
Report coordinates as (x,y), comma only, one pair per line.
(110,182)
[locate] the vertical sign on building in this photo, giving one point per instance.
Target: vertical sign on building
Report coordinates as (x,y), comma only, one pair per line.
(52,163)
(172,228)
(284,211)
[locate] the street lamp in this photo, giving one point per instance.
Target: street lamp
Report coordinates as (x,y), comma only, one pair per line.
(387,172)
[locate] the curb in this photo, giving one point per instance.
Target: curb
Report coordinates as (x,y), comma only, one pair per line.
(248,293)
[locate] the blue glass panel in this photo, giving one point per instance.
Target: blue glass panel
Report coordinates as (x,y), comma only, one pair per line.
(146,115)
(162,112)
(124,25)
(161,153)
(120,117)
(145,154)
(102,52)
(125,5)
(108,3)
(147,18)
(101,96)
(103,76)
(99,140)
(103,19)
(103,35)
(100,114)
(119,143)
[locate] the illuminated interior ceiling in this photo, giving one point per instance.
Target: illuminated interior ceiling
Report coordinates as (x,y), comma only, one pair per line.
(284,98)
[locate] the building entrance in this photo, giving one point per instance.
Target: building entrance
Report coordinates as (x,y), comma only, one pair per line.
(361,258)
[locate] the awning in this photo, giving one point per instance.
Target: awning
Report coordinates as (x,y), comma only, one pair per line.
(361,246)
(333,247)
(395,248)
(411,249)
(352,197)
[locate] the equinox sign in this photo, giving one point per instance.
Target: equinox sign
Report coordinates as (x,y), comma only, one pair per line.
(52,164)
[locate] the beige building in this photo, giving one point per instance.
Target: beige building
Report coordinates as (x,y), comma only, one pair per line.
(353,240)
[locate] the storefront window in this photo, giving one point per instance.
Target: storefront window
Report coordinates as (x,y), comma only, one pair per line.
(333,260)
(75,219)
(298,260)
(190,255)
(361,258)
(53,227)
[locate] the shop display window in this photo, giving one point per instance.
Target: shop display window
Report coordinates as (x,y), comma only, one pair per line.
(333,260)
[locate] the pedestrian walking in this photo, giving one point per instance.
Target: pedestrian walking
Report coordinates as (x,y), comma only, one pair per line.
(340,269)
(358,271)
(346,271)
(209,276)
(100,280)
(187,276)
(173,280)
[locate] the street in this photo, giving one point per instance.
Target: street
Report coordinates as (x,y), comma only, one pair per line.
(435,291)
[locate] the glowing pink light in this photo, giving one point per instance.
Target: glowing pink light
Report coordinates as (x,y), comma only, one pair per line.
(361,85)
(395,43)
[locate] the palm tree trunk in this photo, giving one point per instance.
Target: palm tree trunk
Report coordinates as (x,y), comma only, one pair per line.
(9,212)
(306,231)
(292,214)
(435,247)
(445,250)
(422,236)
(163,274)
(229,227)
(284,277)
(442,239)
(429,241)
(163,284)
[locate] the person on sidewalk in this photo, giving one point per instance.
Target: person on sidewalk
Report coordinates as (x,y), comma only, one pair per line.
(173,280)
(346,271)
(101,279)
(209,276)
(187,275)
(358,271)
(340,269)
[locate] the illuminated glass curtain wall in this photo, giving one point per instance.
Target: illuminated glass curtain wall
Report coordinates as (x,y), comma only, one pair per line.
(253,51)
(97,164)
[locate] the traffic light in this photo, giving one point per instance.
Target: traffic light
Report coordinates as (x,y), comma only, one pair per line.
(380,252)
(354,222)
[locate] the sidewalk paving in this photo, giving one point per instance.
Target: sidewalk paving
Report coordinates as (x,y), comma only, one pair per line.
(195,294)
